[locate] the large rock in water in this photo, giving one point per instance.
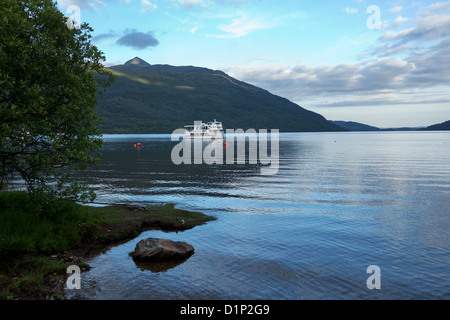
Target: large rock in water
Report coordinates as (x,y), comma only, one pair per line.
(153,249)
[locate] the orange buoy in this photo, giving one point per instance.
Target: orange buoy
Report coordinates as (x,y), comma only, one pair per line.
(135,145)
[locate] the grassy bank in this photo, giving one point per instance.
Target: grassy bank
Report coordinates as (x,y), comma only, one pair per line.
(37,247)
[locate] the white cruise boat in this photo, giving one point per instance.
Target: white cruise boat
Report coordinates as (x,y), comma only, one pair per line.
(202,130)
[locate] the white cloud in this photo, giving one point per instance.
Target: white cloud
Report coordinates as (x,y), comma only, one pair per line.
(188,4)
(343,78)
(440,6)
(401,69)
(351,10)
(388,80)
(83,4)
(388,49)
(242,26)
(396,9)
(399,21)
(148,6)
(428,28)
(390,35)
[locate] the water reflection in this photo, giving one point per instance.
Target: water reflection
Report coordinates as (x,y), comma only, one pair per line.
(157,267)
(339,203)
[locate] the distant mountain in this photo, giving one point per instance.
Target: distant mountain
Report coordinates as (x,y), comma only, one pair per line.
(441,126)
(136,62)
(149,98)
(139,65)
(401,129)
(355,126)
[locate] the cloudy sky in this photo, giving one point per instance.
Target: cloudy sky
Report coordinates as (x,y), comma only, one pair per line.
(377,62)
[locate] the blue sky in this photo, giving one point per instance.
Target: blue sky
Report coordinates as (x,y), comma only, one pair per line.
(382,63)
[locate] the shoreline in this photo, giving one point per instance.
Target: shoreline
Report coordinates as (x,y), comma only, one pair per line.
(137,219)
(123,223)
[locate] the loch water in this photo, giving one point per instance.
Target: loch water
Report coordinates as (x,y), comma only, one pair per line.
(339,203)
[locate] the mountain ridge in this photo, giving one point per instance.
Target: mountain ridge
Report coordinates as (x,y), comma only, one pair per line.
(136,61)
(159,98)
(139,65)
(437,127)
(355,126)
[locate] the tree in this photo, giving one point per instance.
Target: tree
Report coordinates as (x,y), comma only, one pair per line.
(50,75)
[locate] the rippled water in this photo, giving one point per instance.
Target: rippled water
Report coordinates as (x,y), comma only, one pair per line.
(339,203)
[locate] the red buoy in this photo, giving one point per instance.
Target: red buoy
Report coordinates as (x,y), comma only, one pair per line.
(139,144)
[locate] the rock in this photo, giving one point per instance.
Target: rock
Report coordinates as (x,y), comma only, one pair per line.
(153,249)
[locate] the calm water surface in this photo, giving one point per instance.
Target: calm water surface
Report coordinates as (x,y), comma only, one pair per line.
(339,203)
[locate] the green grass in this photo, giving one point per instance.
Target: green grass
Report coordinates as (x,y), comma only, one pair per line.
(23,229)
(25,275)
(31,241)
